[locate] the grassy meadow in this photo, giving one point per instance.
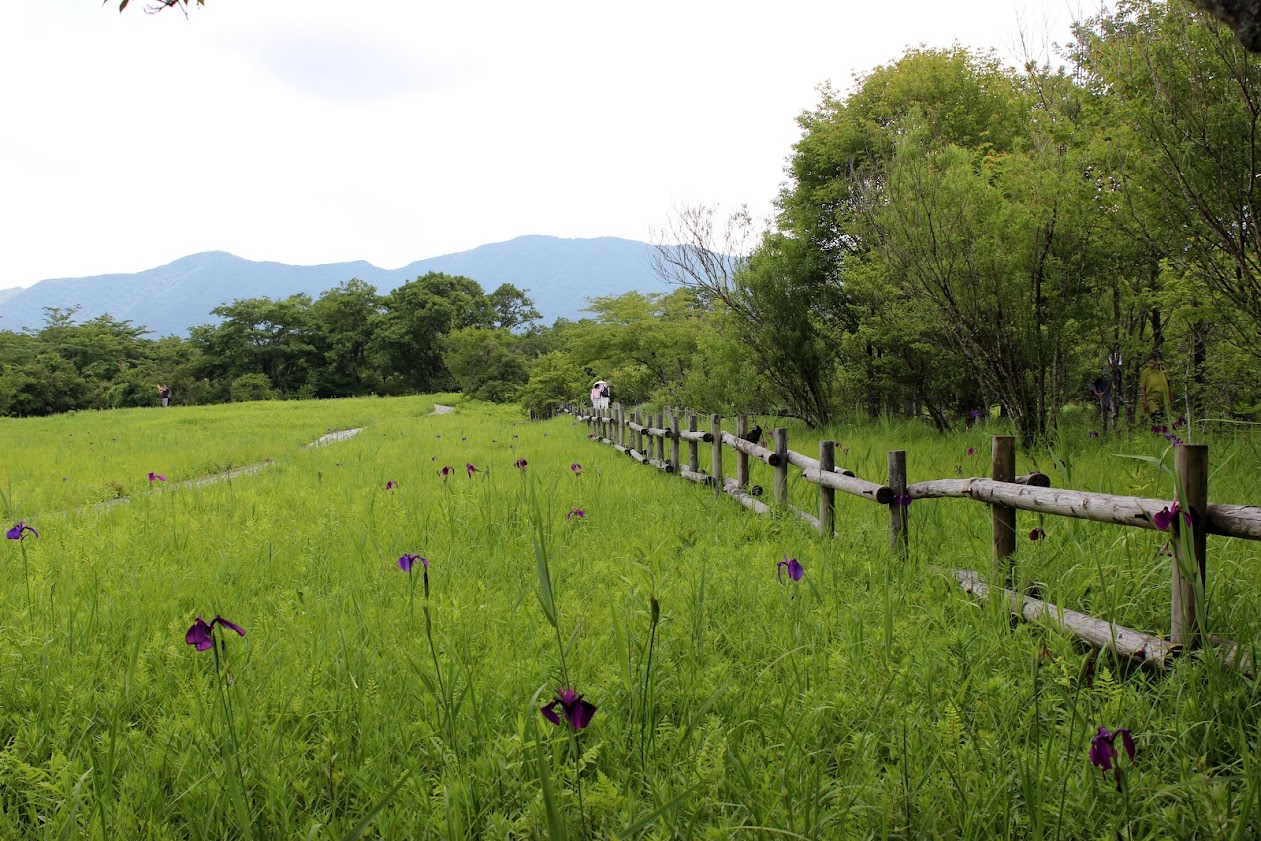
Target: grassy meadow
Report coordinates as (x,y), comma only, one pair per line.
(872,698)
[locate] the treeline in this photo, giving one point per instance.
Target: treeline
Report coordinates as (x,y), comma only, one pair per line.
(954,235)
(350,341)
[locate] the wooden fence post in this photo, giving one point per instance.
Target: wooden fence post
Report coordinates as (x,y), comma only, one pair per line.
(827,496)
(715,427)
(1190,464)
(674,440)
(661,442)
(1003,469)
(742,458)
(781,470)
(899,538)
(693,455)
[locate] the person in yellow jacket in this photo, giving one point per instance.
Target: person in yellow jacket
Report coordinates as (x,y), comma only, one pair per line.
(1153,389)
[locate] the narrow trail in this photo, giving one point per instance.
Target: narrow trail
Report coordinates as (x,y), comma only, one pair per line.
(225,476)
(236,472)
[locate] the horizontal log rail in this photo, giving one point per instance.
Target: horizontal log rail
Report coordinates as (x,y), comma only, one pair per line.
(750,449)
(796,459)
(851,485)
(1126,642)
(1243,521)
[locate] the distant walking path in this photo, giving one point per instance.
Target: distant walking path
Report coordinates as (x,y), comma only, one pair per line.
(439,409)
(334,436)
(227,475)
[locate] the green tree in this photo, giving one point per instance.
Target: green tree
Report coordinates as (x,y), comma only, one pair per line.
(342,323)
(486,364)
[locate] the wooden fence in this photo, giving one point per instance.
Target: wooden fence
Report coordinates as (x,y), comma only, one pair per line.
(1189,517)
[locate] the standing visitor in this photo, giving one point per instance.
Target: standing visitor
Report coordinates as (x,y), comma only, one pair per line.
(1153,389)
(595,397)
(165,394)
(605,394)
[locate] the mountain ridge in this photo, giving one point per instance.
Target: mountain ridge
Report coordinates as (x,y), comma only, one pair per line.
(558,274)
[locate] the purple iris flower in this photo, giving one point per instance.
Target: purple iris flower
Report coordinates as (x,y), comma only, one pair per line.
(471,469)
(156,477)
(446,471)
(1160,429)
(1094,434)
(976,413)
(971,451)
(17,532)
(1037,534)
(201,635)
(1103,750)
(406,562)
(1164,518)
(391,485)
(591,435)
(575,469)
(795,570)
(575,512)
(901,499)
(575,710)
(520,464)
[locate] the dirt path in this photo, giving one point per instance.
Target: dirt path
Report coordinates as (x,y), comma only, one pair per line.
(227,475)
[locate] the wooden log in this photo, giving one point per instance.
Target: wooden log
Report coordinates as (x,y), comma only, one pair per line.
(806,463)
(642,458)
(827,495)
(1125,642)
(742,458)
(807,516)
(715,427)
(674,440)
(1242,521)
(1234,655)
(1003,469)
(694,437)
(661,464)
(693,458)
(899,540)
(1079,505)
(781,466)
(1190,465)
(621,449)
(752,490)
(695,476)
(1036,479)
(851,485)
(745,499)
(748,448)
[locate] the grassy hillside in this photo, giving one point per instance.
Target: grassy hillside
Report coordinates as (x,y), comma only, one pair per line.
(872,698)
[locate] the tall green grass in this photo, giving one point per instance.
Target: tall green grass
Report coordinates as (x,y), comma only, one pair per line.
(875,699)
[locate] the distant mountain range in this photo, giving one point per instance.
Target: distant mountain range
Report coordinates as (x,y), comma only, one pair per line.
(559,274)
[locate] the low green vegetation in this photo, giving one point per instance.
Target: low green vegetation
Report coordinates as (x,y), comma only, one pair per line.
(871,698)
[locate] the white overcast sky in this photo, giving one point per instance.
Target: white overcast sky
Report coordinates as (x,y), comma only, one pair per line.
(317,131)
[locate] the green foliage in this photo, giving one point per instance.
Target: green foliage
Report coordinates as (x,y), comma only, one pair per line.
(249,387)
(555,379)
(486,364)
